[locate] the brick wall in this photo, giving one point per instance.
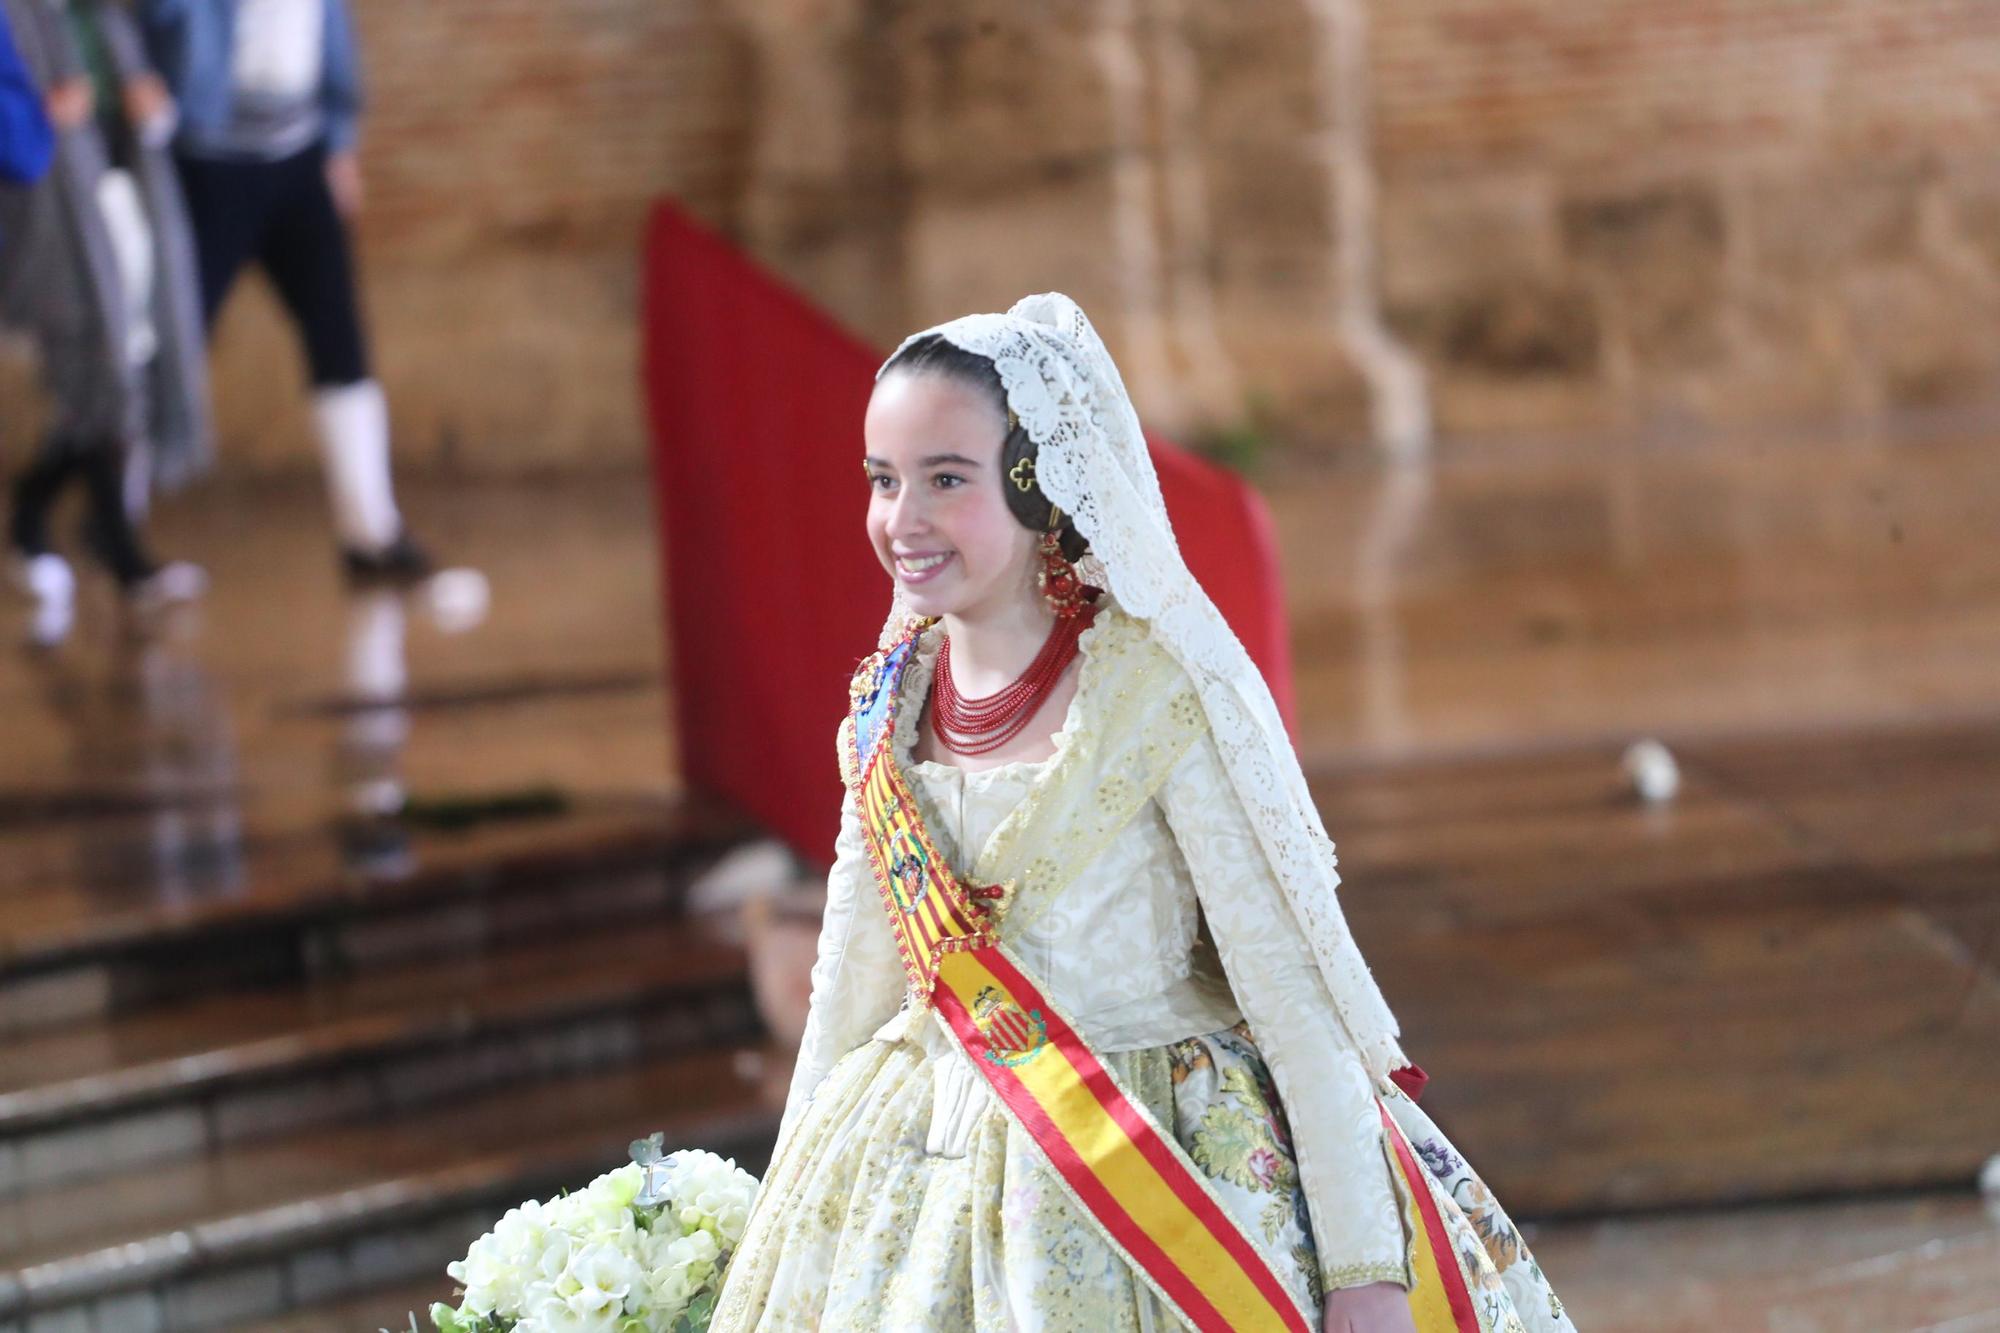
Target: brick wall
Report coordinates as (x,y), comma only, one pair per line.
(1625,214)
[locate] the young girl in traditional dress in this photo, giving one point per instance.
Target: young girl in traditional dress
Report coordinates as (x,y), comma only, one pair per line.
(1090,1046)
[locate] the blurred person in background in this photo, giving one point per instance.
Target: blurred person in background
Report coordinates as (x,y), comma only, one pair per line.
(136,118)
(26,141)
(88,274)
(269,97)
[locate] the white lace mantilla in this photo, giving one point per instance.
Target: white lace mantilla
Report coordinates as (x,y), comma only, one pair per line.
(1092,461)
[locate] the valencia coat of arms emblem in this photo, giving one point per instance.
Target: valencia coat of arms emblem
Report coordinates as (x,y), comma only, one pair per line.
(1013,1035)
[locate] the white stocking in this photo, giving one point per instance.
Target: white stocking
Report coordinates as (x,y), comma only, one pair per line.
(353,422)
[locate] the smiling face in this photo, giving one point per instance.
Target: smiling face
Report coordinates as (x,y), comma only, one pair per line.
(936,513)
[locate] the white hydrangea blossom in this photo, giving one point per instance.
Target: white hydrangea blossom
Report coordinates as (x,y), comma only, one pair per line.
(609,1258)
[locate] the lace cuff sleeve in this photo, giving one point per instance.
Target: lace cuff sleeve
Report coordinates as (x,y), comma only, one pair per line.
(1358,1219)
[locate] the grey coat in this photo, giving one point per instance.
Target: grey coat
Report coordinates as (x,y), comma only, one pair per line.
(59,277)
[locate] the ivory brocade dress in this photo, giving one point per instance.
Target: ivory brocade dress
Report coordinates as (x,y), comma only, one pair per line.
(902,1196)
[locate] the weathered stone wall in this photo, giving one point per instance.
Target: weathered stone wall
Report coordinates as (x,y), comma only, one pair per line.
(1625,215)
(1670,213)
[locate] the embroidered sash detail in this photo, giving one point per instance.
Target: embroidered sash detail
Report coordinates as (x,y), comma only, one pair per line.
(1130,1178)
(930,911)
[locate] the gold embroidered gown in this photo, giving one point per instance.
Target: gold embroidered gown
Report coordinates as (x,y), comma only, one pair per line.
(901,1196)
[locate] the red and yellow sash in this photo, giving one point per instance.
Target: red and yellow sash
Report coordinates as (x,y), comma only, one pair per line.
(1130,1177)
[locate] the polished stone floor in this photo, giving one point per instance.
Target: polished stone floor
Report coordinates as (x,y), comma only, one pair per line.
(196,761)
(1924,1265)
(1550,594)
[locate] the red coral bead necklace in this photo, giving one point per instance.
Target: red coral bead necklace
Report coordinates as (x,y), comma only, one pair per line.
(979,726)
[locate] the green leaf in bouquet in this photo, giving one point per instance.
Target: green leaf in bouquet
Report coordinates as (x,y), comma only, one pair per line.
(696,1317)
(650,1155)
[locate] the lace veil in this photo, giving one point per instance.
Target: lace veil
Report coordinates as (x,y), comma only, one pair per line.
(1092,461)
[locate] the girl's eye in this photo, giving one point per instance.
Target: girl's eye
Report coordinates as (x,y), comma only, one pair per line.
(945,481)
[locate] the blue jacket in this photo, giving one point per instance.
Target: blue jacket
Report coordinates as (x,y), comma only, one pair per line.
(26,141)
(191,43)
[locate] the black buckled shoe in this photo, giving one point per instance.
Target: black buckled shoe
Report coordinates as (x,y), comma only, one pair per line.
(402,561)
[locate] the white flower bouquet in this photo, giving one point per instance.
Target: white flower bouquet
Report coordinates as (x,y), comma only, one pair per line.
(639,1250)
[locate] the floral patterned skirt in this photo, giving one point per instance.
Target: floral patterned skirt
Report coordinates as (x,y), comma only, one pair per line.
(905,1199)
(1510,1293)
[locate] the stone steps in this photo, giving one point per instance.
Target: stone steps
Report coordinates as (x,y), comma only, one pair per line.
(220,1114)
(243,1234)
(97,1099)
(68,955)
(385,1309)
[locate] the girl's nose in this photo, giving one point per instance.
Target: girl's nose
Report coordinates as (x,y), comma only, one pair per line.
(906,514)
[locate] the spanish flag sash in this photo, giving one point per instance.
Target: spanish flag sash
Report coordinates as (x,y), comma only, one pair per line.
(1129,1176)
